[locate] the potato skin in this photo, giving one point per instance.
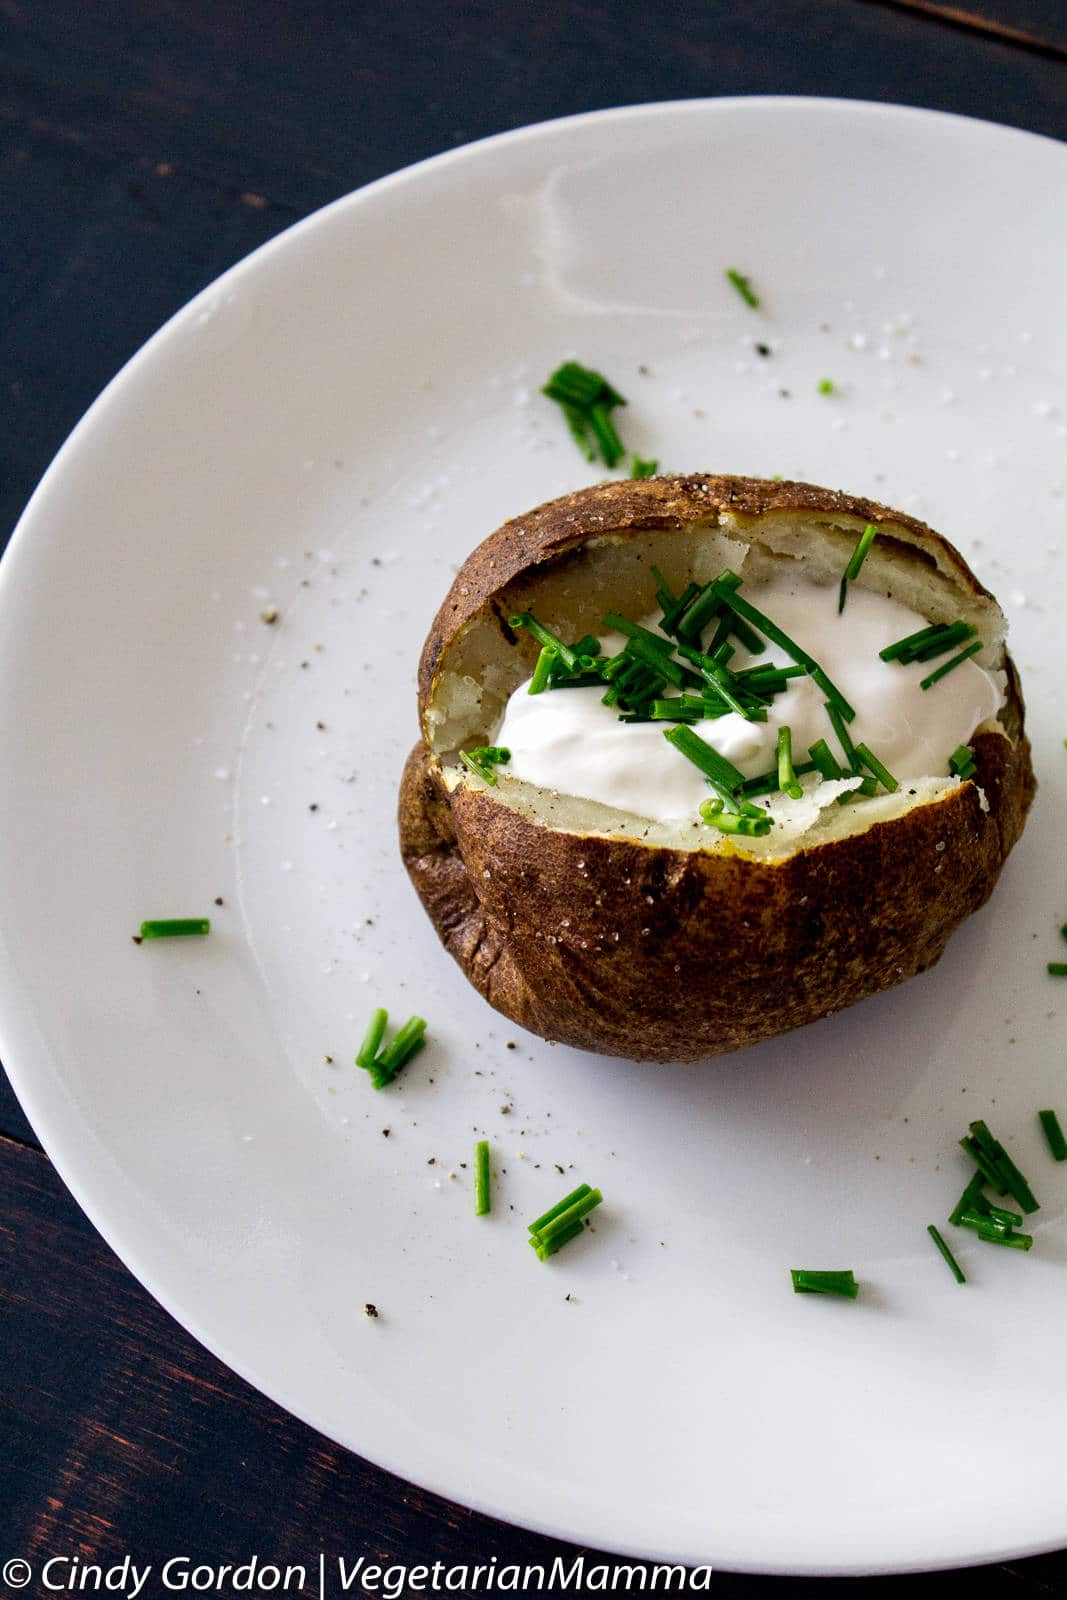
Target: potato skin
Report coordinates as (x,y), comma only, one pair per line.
(650,953)
(670,955)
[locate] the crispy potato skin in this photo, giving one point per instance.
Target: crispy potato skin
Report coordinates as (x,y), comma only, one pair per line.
(668,955)
(671,955)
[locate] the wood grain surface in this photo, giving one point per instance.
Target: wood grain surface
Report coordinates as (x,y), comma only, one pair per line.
(145,145)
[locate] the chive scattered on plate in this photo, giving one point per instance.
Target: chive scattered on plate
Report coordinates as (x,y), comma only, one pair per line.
(587,400)
(382,1065)
(743,287)
(842,1284)
(1054,1134)
(563,1221)
(175,927)
(482,1198)
(950,1260)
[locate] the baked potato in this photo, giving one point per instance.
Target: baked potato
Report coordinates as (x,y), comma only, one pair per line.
(666,939)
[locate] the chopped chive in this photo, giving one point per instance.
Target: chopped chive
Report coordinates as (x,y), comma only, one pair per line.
(548,658)
(658,660)
(721,774)
(961,761)
(787,778)
(994,1231)
(574,1213)
(998,1217)
(717,678)
(563,1221)
(873,765)
(837,1283)
(1010,1179)
(730,822)
(705,605)
(823,758)
(174,927)
(482,1200)
(640,468)
(866,789)
(559,1208)
(604,433)
(838,722)
(372,1038)
(982,1161)
(972,1198)
(1057,969)
(826,386)
(859,555)
(743,287)
(527,620)
(833,693)
(930,641)
(671,617)
(548,1247)
(953,634)
(1054,1134)
(587,400)
(726,586)
(482,761)
(767,679)
(408,1042)
(576,420)
(950,1260)
(949,666)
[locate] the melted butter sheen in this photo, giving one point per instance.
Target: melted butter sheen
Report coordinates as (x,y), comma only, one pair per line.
(567,741)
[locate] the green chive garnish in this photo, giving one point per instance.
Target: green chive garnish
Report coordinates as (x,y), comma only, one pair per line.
(873,765)
(826,386)
(726,586)
(408,1042)
(481,1178)
(563,1221)
(859,555)
(372,1038)
(787,778)
(1057,969)
(527,620)
(722,775)
(543,671)
(174,927)
(640,468)
(823,758)
(1054,1134)
(730,822)
(950,1260)
(1010,1179)
(838,1283)
(928,642)
(838,721)
(383,1067)
(961,761)
(482,761)
(743,287)
(587,400)
(950,666)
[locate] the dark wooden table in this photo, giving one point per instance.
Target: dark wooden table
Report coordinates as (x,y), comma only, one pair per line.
(147,145)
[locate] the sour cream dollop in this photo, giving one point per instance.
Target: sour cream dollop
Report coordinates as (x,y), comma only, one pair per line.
(570,743)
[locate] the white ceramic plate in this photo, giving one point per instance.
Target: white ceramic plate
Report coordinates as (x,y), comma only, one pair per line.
(329,430)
